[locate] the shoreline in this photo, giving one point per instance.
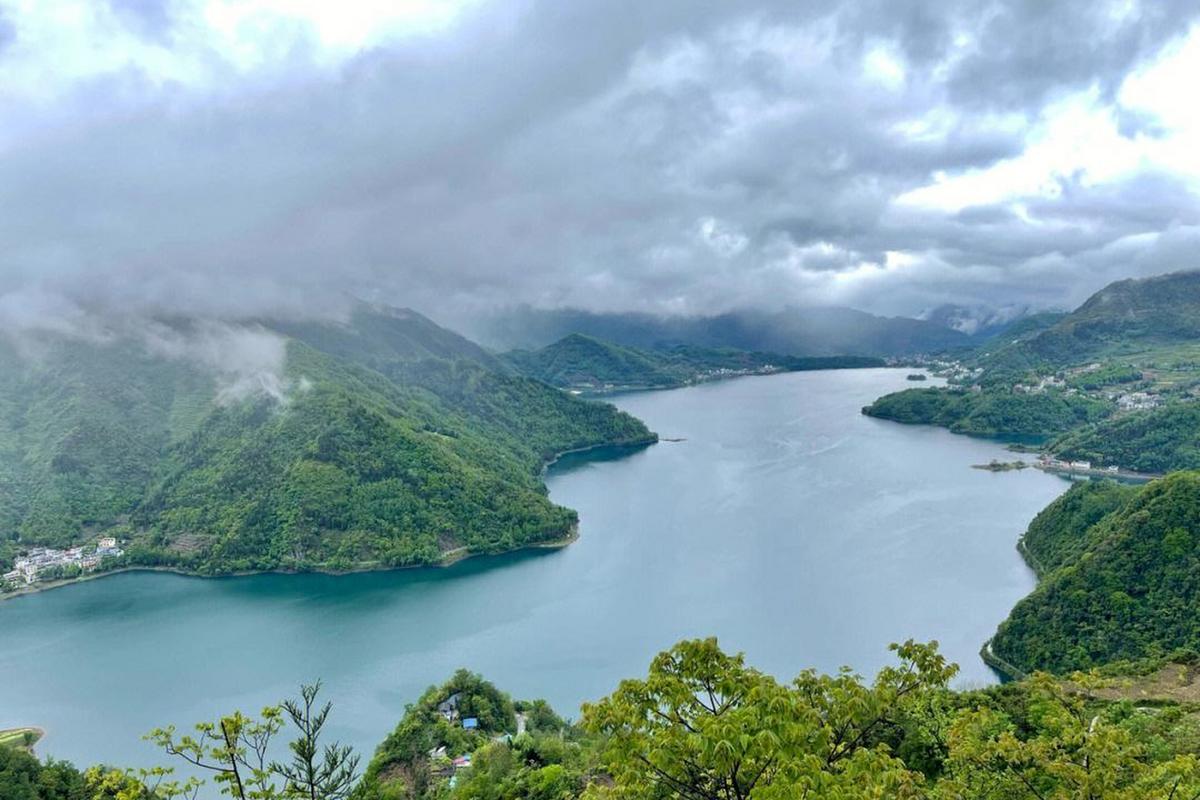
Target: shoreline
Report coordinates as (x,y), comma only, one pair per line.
(448,559)
(637,444)
(586,392)
(1006,669)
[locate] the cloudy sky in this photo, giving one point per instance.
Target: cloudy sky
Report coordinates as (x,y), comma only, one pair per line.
(242,157)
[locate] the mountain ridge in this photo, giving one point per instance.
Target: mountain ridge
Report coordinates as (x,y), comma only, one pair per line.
(383,440)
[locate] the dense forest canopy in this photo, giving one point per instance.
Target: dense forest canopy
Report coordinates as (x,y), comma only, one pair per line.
(380,441)
(1121,578)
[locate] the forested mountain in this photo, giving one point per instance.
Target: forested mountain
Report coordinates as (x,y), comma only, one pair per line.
(999,414)
(1114,379)
(818,331)
(1121,578)
(584,363)
(1127,317)
(982,323)
(1156,440)
(384,440)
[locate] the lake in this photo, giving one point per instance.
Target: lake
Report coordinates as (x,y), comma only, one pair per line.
(786,523)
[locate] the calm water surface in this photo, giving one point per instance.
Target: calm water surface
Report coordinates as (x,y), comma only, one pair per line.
(786,524)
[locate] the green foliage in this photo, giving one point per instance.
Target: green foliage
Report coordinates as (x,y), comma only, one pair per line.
(704,725)
(398,443)
(997,412)
(235,751)
(23,777)
(1157,440)
(1058,534)
(1059,747)
(1108,375)
(404,757)
(1125,587)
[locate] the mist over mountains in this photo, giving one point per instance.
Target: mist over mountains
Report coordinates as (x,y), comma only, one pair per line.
(794,331)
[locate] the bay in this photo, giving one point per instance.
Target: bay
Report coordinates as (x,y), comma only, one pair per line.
(785,523)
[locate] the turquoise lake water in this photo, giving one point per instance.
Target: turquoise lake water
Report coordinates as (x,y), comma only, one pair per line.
(787,524)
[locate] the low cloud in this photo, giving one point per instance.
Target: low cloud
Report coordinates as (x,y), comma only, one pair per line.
(247,360)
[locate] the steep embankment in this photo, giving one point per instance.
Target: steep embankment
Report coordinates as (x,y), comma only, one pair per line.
(1121,578)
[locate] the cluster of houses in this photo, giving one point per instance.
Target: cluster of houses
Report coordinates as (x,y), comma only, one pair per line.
(1138,401)
(31,567)
(1043,385)
(1055,465)
(448,708)
(443,765)
(952,370)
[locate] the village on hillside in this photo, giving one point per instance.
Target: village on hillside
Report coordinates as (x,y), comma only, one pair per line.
(45,563)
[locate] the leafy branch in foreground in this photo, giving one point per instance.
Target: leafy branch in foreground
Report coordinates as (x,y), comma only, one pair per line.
(703,726)
(235,749)
(329,777)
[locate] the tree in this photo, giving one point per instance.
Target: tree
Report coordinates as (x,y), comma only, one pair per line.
(1072,753)
(703,726)
(329,777)
(235,749)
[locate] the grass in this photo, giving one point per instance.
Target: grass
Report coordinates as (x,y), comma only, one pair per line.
(20,737)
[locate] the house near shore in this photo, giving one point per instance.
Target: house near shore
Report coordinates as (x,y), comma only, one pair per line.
(448,708)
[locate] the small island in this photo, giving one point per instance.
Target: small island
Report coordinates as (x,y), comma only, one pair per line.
(1002,466)
(916,376)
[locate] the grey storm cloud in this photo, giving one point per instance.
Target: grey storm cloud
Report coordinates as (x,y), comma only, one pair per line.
(673,155)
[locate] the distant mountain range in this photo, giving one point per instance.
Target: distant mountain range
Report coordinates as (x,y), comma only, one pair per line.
(586,364)
(792,332)
(978,321)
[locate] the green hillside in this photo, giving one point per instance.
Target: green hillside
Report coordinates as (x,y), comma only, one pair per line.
(577,360)
(1002,414)
(1117,586)
(395,442)
(1132,349)
(1125,316)
(1057,536)
(1158,440)
(587,364)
